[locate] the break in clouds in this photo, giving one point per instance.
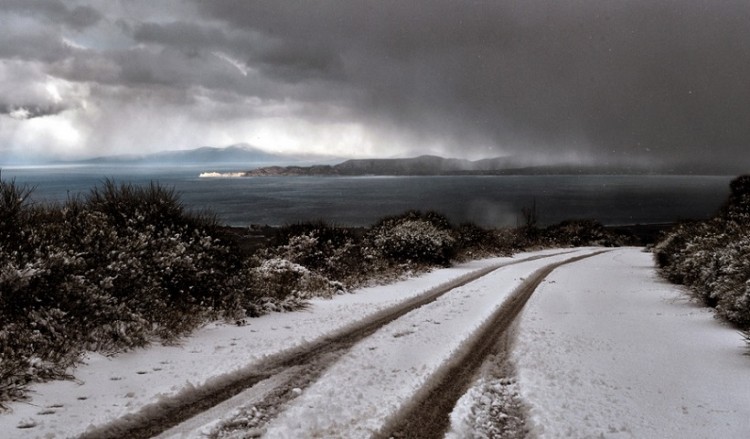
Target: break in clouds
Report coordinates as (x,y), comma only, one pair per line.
(606,81)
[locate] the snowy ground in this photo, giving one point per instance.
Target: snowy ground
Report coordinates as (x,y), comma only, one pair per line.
(604,349)
(607,349)
(375,379)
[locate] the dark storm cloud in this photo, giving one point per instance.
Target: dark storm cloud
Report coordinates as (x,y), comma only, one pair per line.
(40,46)
(637,79)
(186,36)
(82,17)
(294,62)
(605,80)
(79,17)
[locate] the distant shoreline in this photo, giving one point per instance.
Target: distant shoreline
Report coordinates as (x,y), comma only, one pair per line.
(439,166)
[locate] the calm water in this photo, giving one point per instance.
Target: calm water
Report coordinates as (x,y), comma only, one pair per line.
(359,201)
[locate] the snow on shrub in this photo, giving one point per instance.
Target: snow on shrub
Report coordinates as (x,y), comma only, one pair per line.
(712,258)
(731,287)
(414,238)
(113,271)
(280,278)
(578,233)
(473,241)
(332,252)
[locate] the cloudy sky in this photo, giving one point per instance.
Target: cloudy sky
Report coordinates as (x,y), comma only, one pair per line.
(614,81)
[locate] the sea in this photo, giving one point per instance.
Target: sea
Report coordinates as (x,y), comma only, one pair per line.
(490,201)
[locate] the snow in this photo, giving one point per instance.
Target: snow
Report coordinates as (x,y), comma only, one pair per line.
(607,349)
(108,388)
(356,396)
(604,348)
(490,409)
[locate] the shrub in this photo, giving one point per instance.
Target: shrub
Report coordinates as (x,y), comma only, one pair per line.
(414,238)
(737,208)
(12,205)
(670,245)
(739,187)
(278,278)
(107,272)
(473,241)
(154,205)
(332,252)
(712,258)
(729,287)
(578,233)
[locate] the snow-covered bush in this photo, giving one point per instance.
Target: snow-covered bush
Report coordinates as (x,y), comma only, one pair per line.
(669,249)
(280,278)
(712,258)
(332,252)
(473,242)
(355,257)
(109,272)
(578,233)
(415,238)
(730,288)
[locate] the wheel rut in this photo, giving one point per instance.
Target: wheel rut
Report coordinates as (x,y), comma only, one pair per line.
(427,415)
(315,357)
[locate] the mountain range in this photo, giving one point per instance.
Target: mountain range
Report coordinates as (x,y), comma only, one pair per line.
(246,156)
(207,155)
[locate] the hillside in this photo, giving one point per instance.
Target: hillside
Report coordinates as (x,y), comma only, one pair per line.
(422,165)
(434,165)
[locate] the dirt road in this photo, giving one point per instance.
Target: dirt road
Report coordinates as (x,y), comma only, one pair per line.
(427,415)
(306,363)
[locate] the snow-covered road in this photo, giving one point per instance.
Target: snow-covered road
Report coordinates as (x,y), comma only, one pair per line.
(604,349)
(607,349)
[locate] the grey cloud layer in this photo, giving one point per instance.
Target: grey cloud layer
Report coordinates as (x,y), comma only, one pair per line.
(55,11)
(617,78)
(613,80)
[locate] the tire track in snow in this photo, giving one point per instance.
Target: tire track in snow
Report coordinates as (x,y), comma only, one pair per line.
(171,411)
(427,415)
